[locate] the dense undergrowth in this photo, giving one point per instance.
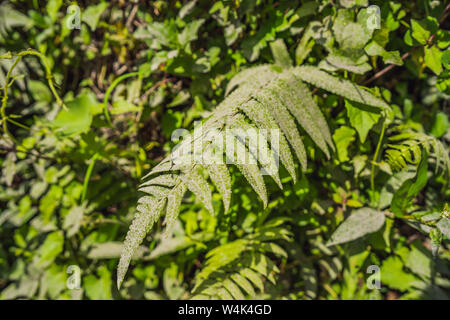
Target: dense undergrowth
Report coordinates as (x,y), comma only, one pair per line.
(361,97)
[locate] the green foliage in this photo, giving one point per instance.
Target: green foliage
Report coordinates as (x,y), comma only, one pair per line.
(360,222)
(361,102)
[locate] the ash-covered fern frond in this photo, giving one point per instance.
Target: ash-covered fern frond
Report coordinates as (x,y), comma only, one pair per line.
(407,145)
(240,268)
(255,125)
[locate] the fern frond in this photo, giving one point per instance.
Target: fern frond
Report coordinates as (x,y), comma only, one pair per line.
(265,98)
(406,148)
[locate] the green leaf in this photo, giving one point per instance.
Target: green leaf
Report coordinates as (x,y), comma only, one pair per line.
(393,275)
(343,137)
(353,3)
(441,125)
(360,223)
(113,249)
(280,53)
(351,35)
(418,261)
(444,226)
(190,32)
(72,221)
(77,119)
(198,185)
(99,288)
(361,117)
(173,206)
(181,98)
(340,61)
(342,87)
(433,58)
(410,189)
(50,249)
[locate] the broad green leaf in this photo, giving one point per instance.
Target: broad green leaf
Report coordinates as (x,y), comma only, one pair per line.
(339,61)
(50,202)
(72,221)
(393,275)
(169,246)
(444,226)
(349,34)
(113,249)
(187,9)
(181,98)
(142,222)
(433,58)
(410,188)
(360,223)
(99,288)
(445,59)
(272,101)
(39,91)
(306,9)
(54,281)
(173,206)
